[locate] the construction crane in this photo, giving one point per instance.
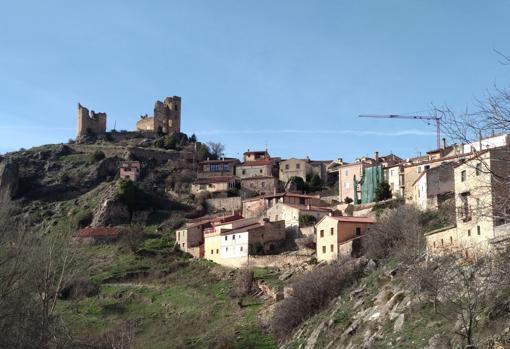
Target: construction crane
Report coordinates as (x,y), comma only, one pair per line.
(415,117)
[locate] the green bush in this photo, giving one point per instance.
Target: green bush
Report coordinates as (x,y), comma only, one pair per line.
(97,156)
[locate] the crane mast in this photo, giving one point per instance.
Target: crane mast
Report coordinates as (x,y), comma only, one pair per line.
(415,117)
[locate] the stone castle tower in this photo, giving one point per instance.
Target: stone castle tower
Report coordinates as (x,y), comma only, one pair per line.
(90,123)
(166,119)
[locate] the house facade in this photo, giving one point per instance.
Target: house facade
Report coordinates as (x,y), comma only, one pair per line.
(434,187)
(130,170)
(213,185)
(481,206)
(347,174)
(294,168)
(261,185)
(292,213)
(336,235)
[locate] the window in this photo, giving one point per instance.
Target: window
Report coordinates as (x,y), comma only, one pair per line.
(442,242)
(260,171)
(426,167)
(298,166)
(332,248)
(478,230)
(183,245)
(322,233)
(463,176)
(358,231)
(226,249)
(217,251)
(451,240)
(216,168)
(391,172)
(332,231)
(434,244)
(346,172)
(276,218)
(233,237)
(226,238)
(241,248)
(287,167)
(323,249)
(226,167)
(178,235)
(478,169)
(212,251)
(477,203)
(469,232)
(243,172)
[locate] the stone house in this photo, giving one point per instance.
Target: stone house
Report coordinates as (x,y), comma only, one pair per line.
(257,206)
(249,237)
(261,185)
(434,187)
(213,185)
(303,168)
(255,155)
(190,238)
(292,214)
(130,170)
(393,176)
(224,167)
(336,235)
(481,201)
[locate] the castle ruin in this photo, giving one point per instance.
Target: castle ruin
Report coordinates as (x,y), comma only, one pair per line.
(90,123)
(166,119)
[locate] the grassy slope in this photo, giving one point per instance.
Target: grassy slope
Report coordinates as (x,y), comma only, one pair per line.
(173,301)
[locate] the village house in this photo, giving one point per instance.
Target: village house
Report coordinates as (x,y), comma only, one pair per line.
(190,238)
(130,170)
(257,206)
(393,175)
(482,207)
(434,188)
(339,236)
(253,234)
(295,214)
(348,174)
(304,168)
(260,185)
(215,176)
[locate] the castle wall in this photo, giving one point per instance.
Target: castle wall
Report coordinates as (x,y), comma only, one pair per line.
(167,117)
(92,122)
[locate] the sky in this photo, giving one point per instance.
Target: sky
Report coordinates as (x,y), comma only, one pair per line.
(289,75)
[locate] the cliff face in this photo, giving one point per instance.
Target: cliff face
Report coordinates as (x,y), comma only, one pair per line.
(9,180)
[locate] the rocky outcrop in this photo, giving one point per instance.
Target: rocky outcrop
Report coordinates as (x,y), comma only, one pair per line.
(9,180)
(110,211)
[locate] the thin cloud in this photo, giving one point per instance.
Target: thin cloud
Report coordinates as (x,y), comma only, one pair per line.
(410,132)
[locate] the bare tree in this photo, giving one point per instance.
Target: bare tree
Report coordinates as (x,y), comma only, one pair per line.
(217,149)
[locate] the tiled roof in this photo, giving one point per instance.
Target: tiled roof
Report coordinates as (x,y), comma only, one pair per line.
(99,232)
(229,160)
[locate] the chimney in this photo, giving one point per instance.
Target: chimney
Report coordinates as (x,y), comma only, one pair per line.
(444,143)
(376,155)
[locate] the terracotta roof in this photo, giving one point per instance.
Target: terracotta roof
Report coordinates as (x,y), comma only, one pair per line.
(218,179)
(99,232)
(240,229)
(309,207)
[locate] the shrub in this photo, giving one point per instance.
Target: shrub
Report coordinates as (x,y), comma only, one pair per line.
(312,293)
(97,156)
(383,192)
(242,284)
(307,220)
(398,232)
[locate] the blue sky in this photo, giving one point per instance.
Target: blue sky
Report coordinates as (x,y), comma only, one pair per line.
(292,75)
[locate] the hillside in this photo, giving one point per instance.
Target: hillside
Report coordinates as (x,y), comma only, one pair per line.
(142,292)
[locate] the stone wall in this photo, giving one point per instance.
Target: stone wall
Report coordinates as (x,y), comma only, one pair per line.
(92,122)
(225,204)
(142,154)
(166,119)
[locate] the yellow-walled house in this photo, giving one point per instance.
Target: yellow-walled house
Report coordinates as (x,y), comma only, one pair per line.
(335,235)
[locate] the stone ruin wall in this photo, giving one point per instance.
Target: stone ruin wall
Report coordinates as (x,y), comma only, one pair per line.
(167,117)
(90,122)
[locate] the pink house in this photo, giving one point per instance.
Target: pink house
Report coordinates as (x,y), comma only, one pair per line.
(130,170)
